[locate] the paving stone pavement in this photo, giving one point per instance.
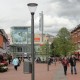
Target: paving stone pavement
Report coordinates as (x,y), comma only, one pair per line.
(41,73)
(59,75)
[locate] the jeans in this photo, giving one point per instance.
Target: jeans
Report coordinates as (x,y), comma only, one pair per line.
(65,70)
(73,68)
(15,67)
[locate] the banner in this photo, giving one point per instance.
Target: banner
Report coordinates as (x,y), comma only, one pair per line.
(41,21)
(21,35)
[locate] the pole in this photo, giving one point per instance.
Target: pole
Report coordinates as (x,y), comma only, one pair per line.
(47,49)
(32,44)
(47,55)
(42,24)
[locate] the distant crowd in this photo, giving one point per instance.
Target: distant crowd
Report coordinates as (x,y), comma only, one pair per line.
(65,61)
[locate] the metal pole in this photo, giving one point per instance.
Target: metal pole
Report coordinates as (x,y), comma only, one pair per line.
(42,24)
(47,62)
(47,55)
(32,44)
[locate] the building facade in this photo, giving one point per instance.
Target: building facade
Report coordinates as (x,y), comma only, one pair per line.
(20,38)
(4,43)
(75,34)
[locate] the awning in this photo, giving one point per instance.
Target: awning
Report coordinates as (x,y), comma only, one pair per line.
(76,52)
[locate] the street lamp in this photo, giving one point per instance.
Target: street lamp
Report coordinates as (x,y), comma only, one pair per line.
(32,8)
(47,52)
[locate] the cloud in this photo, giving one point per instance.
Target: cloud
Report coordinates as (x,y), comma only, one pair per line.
(53,24)
(57,14)
(69,8)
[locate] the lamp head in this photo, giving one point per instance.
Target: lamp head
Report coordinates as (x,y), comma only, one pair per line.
(32,7)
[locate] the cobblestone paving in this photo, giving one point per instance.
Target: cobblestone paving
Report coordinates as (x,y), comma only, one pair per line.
(59,75)
(41,73)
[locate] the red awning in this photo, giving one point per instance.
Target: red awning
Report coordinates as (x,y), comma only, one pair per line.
(76,53)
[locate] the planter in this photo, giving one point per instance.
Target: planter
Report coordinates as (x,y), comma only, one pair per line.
(3,69)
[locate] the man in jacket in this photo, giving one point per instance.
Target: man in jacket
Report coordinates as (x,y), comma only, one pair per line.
(73,64)
(15,62)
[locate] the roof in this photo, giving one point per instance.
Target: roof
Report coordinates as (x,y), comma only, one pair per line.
(4,34)
(76,28)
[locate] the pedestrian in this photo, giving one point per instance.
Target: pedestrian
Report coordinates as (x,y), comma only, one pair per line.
(15,62)
(19,61)
(65,63)
(73,64)
(49,61)
(9,58)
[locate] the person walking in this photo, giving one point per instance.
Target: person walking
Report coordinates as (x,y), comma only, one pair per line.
(15,62)
(65,63)
(9,58)
(73,64)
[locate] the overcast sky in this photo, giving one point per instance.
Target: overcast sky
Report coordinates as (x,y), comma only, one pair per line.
(57,14)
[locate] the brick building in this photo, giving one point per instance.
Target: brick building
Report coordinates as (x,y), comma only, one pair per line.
(75,34)
(4,43)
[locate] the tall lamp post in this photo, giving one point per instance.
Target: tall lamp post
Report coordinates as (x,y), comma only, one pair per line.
(32,8)
(47,52)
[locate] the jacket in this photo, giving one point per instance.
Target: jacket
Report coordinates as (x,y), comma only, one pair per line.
(15,61)
(72,61)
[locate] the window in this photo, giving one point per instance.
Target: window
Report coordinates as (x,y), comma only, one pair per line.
(19,49)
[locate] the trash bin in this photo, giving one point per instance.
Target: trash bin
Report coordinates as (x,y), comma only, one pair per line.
(27,66)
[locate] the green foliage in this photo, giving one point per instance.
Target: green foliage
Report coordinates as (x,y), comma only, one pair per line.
(63,44)
(51,49)
(44,49)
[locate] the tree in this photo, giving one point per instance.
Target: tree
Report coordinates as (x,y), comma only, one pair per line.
(63,44)
(52,49)
(44,49)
